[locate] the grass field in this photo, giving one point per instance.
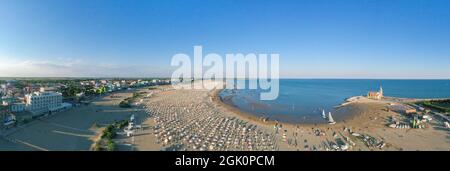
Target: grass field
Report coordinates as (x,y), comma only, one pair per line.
(441,105)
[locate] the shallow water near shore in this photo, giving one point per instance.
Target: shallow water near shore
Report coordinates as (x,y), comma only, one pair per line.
(302,100)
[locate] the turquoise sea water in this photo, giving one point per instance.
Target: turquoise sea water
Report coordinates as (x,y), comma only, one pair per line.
(302,100)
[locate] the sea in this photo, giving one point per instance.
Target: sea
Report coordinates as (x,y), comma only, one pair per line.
(302,100)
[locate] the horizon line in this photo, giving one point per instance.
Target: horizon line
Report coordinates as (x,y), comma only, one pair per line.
(281,78)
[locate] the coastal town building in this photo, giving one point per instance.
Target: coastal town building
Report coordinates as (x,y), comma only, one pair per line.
(3,112)
(48,89)
(9,120)
(27,89)
(3,101)
(2,90)
(7,100)
(17,107)
(377,95)
(6,118)
(42,102)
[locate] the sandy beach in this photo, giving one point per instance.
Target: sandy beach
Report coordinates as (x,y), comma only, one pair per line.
(366,117)
(198,120)
(191,120)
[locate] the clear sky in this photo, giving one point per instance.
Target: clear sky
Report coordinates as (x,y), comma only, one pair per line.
(315,38)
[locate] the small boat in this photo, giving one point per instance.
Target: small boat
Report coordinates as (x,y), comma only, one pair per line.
(330,119)
(132,118)
(323,114)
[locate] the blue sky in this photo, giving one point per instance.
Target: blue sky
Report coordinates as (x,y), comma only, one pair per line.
(315,38)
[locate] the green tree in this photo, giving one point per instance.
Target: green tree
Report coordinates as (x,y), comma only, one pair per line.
(111,145)
(71,90)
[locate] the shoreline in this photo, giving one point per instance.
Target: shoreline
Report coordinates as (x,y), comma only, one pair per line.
(198,120)
(347,103)
(217,100)
(214,94)
(270,122)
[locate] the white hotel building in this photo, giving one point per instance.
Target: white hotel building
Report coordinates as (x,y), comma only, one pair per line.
(43,102)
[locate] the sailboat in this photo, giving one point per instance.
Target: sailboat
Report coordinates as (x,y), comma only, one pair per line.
(323,114)
(132,118)
(330,119)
